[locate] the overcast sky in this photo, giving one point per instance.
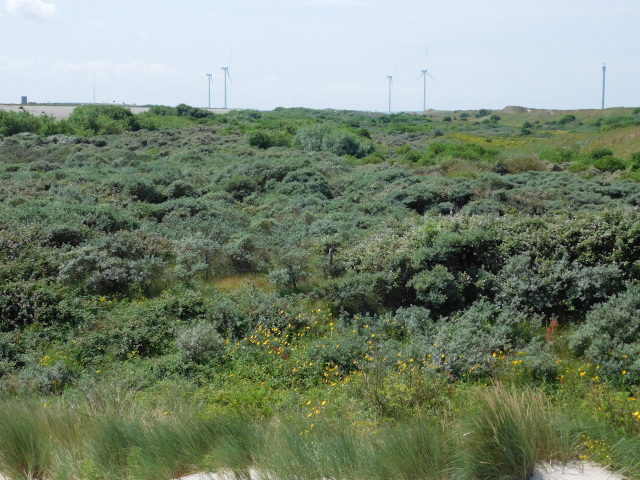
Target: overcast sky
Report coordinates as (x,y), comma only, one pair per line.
(322,53)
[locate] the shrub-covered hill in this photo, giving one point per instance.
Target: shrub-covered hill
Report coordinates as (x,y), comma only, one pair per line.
(261,262)
(136,242)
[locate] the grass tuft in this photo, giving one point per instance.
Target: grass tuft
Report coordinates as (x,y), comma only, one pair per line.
(506,436)
(25,448)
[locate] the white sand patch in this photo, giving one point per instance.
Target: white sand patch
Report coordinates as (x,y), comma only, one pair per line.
(220,475)
(573,471)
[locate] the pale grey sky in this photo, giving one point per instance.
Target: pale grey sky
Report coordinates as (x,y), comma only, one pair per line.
(322,53)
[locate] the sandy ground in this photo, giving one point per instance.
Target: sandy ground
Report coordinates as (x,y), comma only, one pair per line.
(63,111)
(573,471)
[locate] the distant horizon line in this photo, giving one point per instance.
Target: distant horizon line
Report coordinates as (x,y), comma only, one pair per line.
(214,109)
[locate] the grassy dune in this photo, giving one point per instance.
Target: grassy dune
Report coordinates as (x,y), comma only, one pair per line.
(318,294)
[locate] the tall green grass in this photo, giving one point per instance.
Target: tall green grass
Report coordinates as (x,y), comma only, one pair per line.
(420,449)
(508,432)
(496,433)
(289,451)
(168,450)
(25,446)
(235,446)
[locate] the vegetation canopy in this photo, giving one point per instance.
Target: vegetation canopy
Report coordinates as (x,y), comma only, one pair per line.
(318,293)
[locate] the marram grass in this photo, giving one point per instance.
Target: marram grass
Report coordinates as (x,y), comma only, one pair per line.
(497,433)
(508,433)
(25,447)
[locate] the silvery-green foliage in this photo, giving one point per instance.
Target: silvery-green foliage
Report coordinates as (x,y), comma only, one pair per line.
(435,286)
(554,287)
(540,359)
(180,188)
(470,338)
(610,336)
(305,181)
(416,320)
(199,342)
(111,264)
(45,379)
(324,138)
(194,256)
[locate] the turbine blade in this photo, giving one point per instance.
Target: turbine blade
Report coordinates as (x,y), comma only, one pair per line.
(229,75)
(230,52)
(433,78)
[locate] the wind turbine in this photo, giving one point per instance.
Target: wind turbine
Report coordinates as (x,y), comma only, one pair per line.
(604,70)
(226,74)
(210,81)
(390,77)
(424,75)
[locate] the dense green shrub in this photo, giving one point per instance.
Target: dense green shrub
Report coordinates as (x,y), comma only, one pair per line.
(559,288)
(65,234)
(305,180)
(468,151)
(259,139)
(91,120)
(610,337)
(25,304)
(474,336)
(566,119)
(599,153)
(180,189)
(199,342)
(264,140)
(634,164)
(526,128)
(194,257)
(364,133)
(143,192)
(183,110)
(12,123)
(112,264)
(600,158)
(324,138)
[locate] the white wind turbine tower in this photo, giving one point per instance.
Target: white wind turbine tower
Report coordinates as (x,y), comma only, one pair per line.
(424,75)
(390,77)
(226,74)
(210,82)
(604,71)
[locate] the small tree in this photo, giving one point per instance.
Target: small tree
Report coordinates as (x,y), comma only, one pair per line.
(194,257)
